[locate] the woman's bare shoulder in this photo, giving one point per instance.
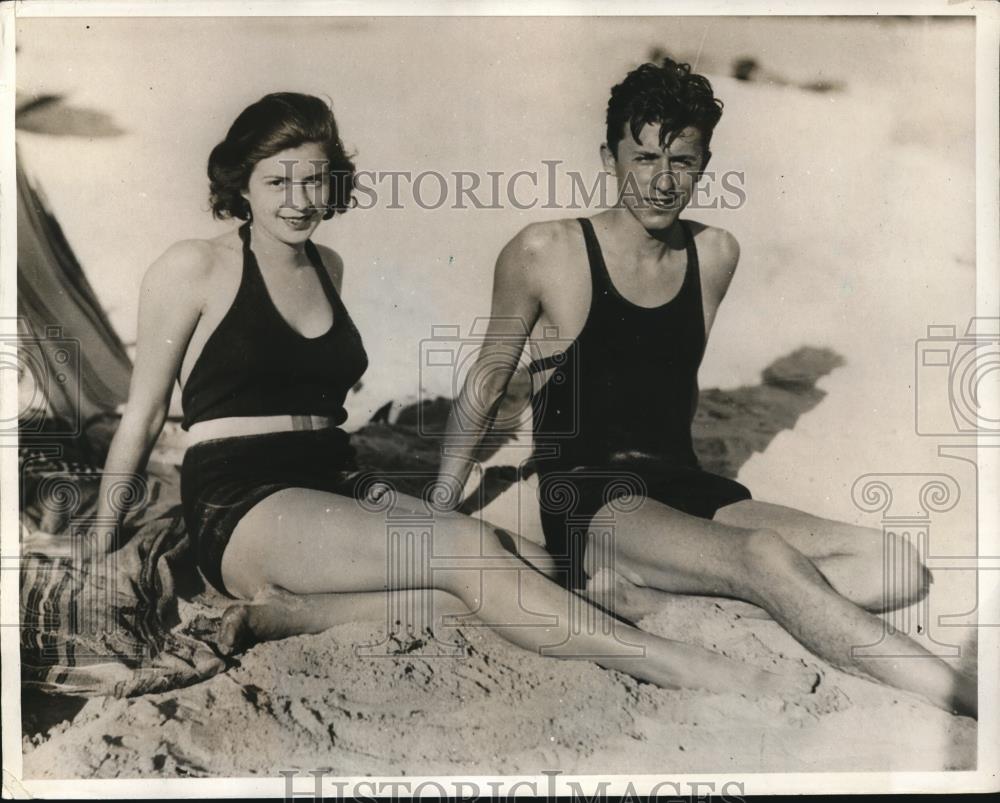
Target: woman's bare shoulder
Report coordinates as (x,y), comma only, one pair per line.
(333,263)
(189,271)
(195,260)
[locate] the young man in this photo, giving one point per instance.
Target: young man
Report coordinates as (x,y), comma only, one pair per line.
(635,290)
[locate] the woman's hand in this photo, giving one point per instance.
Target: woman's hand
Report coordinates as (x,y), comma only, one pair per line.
(40,542)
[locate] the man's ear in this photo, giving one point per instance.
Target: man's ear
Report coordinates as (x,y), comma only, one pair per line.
(608,158)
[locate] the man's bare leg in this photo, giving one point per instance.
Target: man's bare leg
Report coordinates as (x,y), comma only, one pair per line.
(849,557)
(661,547)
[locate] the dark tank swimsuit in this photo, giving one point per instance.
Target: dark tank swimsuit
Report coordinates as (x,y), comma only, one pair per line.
(614,419)
(255,364)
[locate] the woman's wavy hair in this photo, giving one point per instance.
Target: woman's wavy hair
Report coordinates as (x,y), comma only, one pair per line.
(275,123)
(668,94)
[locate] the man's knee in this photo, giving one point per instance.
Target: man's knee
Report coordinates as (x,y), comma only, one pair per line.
(907,576)
(765,553)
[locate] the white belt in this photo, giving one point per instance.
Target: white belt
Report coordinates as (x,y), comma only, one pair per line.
(255,425)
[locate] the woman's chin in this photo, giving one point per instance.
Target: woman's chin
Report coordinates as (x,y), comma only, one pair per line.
(292,230)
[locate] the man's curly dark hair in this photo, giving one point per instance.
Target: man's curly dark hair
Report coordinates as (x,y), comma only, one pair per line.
(275,123)
(668,94)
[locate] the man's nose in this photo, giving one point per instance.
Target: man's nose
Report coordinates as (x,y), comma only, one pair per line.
(664,180)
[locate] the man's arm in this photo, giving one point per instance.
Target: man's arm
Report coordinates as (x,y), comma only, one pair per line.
(721,254)
(514,310)
(723,257)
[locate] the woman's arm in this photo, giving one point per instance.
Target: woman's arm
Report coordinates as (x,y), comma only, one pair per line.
(515,309)
(170,304)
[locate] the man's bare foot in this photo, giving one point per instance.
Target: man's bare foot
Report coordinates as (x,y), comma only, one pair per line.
(797,684)
(754,682)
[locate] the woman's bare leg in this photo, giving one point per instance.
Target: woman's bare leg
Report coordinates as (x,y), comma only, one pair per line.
(310,542)
(661,547)
(275,613)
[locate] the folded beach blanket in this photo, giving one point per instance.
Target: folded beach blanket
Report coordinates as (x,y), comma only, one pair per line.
(104,625)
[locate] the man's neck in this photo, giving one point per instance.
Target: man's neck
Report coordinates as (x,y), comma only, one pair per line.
(635,240)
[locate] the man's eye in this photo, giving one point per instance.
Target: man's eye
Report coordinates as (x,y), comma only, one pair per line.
(274,182)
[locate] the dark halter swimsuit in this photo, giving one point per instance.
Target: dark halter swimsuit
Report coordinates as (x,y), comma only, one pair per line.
(255,364)
(614,419)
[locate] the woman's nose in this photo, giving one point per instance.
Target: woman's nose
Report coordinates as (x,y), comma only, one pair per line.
(298,195)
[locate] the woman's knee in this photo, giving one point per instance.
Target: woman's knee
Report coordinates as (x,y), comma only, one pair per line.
(241,573)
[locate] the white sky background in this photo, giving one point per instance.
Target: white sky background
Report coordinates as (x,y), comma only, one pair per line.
(858,230)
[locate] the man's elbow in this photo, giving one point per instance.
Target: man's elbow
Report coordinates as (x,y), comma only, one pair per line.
(488,387)
(482,394)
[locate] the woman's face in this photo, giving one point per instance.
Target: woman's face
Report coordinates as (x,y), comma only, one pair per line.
(288,192)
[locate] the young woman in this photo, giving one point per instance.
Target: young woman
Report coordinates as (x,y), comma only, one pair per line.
(252,324)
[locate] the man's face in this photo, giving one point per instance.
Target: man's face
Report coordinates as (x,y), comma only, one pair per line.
(655,182)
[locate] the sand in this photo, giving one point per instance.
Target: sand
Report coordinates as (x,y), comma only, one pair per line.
(309,702)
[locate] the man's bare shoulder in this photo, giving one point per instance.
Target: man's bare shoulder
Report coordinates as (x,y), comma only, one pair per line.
(547,239)
(539,257)
(718,255)
(542,253)
(715,244)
